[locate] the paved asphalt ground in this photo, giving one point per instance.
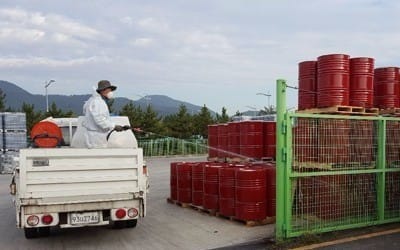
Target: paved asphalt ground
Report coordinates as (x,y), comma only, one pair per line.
(166,226)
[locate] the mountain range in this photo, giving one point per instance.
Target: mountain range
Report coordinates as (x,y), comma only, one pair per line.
(162,104)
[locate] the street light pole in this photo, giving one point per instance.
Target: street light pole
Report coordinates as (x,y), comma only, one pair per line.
(267,95)
(46,85)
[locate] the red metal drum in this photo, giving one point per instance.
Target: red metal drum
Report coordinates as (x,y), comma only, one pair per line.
(386,87)
(333,80)
(211,186)
(334,141)
(212,141)
(329,195)
(251,139)
(234,139)
(271,189)
(198,183)
(227,191)
(270,139)
(362,141)
(362,82)
(305,140)
(184,179)
(392,142)
(307,97)
(250,193)
(222,140)
(174,181)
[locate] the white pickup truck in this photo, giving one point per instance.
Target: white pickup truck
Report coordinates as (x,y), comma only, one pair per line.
(76,187)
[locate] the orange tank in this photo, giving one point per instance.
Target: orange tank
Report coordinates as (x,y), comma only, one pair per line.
(46,134)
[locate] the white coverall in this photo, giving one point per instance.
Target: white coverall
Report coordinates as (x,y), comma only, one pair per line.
(97,123)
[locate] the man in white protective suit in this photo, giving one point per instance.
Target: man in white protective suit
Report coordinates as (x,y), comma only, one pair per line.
(97,122)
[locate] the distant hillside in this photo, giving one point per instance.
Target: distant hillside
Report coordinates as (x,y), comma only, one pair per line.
(162,104)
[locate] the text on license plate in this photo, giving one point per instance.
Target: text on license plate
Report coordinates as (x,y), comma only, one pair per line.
(84,218)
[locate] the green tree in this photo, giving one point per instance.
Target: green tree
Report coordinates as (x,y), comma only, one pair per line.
(56,112)
(151,121)
(180,124)
(32,117)
(134,113)
(224,117)
(201,122)
(2,101)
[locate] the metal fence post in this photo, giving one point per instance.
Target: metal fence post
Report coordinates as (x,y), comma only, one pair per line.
(381,165)
(280,160)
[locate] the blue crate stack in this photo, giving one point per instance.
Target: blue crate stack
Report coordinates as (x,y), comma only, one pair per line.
(12,139)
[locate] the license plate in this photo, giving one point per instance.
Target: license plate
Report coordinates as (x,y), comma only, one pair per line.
(84,218)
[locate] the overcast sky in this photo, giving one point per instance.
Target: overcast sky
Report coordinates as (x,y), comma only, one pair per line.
(218,53)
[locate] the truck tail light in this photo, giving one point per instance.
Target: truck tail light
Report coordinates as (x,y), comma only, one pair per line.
(47,219)
(120,213)
(132,212)
(32,220)
(144,170)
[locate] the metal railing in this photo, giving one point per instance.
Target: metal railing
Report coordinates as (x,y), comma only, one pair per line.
(335,172)
(173,146)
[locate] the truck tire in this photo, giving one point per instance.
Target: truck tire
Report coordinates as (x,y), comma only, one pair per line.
(131,223)
(31,233)
(119,224)
(44,231)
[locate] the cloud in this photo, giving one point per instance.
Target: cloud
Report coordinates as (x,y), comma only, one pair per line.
(150,24)
(23,35)
(22,20)
(126,20)
(142,42)
(44,61)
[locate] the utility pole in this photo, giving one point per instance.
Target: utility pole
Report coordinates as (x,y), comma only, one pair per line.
(46,85)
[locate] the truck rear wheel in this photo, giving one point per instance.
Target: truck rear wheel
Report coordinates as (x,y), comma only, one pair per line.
(131,223)
(44,231)
(119,224)
(31,233)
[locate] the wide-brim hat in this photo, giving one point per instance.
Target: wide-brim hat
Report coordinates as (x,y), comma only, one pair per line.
(105,84)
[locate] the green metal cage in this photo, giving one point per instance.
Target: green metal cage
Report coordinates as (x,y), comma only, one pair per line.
(335,172)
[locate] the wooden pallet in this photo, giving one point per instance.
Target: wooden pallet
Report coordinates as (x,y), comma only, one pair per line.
(212,159)
(390,112)
(211,212)
(235,160)
(181,204)
(250,160)
(341,110)
(333,166)
(249,223)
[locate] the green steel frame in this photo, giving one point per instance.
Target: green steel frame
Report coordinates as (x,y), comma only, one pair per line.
(286,177)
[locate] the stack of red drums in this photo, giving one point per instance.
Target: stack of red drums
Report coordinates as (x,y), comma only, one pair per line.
(198,183)
(222,140)
(386,87)
(227,190)
(184,182)
(333,80)
(362,82)
(307,85)
(245,139)
(242,191)
(213,141)
(211,187)
(234,139)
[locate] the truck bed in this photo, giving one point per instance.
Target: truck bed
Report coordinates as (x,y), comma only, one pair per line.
(74,175)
